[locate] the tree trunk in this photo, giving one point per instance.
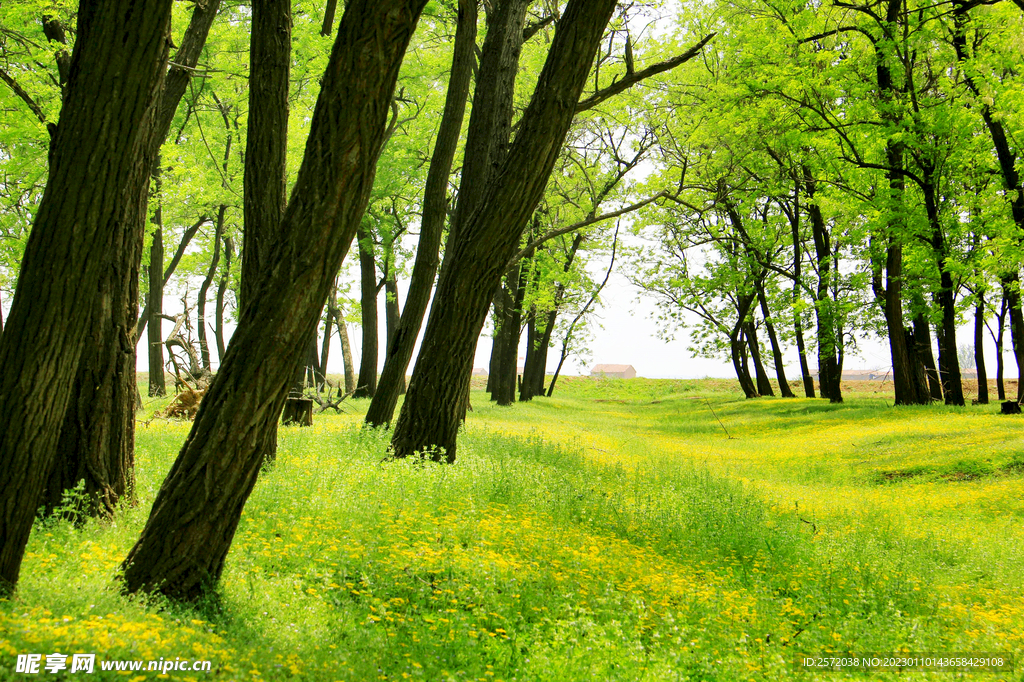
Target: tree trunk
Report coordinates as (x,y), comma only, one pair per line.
(500,340)
(435,201)
(79,257)
(479,250)
(105,394)
(949,362)
(509,371)
(773,339)
(155,297)
(997,338)
(222,288)
(204,290)
(186,239)
(917,368)
(264,183)
(1011,290)
(979,349)
(764,386)
(829,377)
(183,546)
(737,348)
(891,295)
(367,383)
(392,315)
(798,326)
(266,146)
(536,355)
(923,339)
(346,347)
(325,346)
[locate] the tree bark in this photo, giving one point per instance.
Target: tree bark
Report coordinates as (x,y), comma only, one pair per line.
(1011,290)
(155,297)
(773,339)
(505,387)
(346,347)
(222,288)
(829,377)
(264,183)
(392,315)
(478,252)
(204,290)
(366,386)
(83,250)
(764,386)
(186,239)
(998,339)
(537,341)
(923,339)
(979,349)
(798,327)
(93,436)
(435,203)
(266,145)
(183,546)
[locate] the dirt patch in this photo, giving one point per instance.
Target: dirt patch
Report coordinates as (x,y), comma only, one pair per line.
(898,475)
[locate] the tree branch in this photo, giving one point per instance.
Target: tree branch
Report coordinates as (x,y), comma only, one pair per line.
(25,97)
(632,79)
(580,225)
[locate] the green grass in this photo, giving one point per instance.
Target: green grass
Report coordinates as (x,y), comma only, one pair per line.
(621,530)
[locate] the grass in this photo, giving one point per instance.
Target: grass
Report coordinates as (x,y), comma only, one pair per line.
(621,530)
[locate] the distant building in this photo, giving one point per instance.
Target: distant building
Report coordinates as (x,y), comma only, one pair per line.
(479,372)
(614,371)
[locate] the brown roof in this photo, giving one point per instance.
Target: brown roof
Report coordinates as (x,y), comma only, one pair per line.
(610,369)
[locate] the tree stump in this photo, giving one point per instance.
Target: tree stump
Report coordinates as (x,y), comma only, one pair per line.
(1010,407)
(298,411)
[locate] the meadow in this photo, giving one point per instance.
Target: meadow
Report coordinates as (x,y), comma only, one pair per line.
(621,530)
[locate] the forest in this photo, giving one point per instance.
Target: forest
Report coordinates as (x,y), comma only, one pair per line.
(223,188)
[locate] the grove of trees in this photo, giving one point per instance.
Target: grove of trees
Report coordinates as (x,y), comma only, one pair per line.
(774,175)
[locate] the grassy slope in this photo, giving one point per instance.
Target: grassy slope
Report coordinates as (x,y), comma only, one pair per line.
(612,532)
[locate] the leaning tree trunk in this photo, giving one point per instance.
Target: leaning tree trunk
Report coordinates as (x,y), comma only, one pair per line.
(265,175)
(764,386)
(183,546)
(737,350)
(93,435)
(367,383)
(478,253)
(773,339)
(82,245)
(435,204)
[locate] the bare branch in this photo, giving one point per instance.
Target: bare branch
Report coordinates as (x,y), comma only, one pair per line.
(631,79)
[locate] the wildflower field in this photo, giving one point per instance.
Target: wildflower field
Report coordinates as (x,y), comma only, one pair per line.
(621,530)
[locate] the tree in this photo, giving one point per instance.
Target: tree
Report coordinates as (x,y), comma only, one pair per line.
(400,347)
(183,546)
(479,248)
(96,445)
(79,251)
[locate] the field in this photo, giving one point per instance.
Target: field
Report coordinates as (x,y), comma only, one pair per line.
(622,530)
